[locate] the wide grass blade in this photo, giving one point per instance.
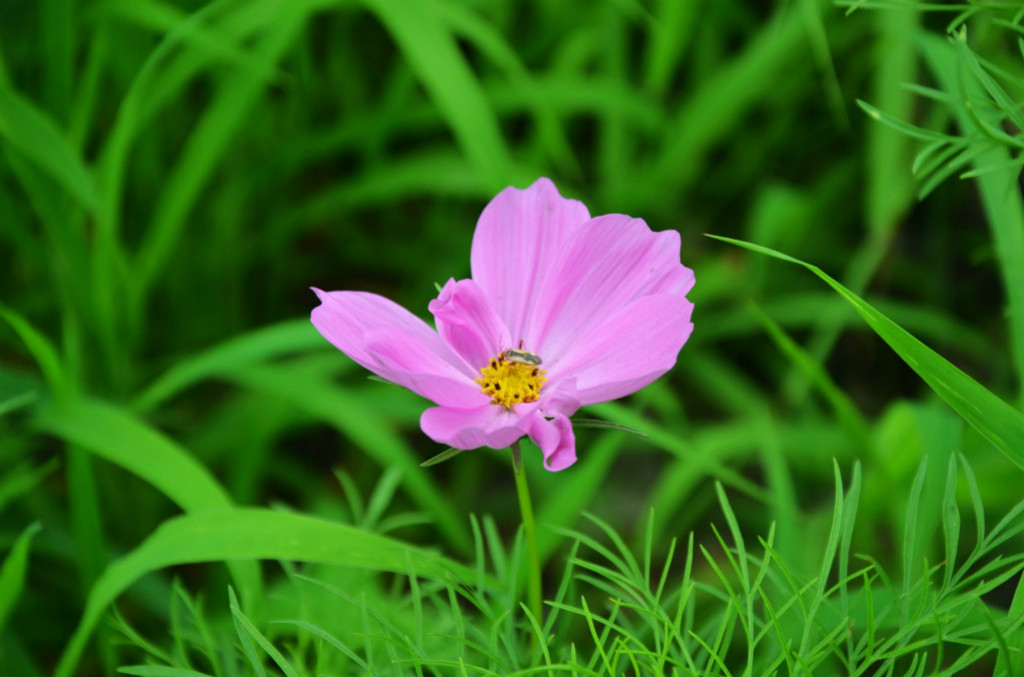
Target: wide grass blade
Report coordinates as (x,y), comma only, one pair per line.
(996,420)
(251,534)
(117,436)
(38,138)
(435,58)
(257,346)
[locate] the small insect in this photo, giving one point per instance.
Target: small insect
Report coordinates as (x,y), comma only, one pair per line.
(522,357)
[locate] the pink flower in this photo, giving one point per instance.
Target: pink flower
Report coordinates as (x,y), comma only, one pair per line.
(563,310)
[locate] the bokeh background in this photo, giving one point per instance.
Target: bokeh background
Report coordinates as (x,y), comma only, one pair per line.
(175,175)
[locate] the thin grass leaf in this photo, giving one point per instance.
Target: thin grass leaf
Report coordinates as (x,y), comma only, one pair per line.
(850,504)
(997,421)
(841,404)
(910,535)
(608,425)
(42,350)
(245,639)
(205,644)
(22,479)
(18,401)
(449,453)
(1001,198)
(159,671)
(671,442)
(828,557)
(133,636)
(568,497)
(13,570)
(242,623)
(344,410)
(903,127)
(950,522)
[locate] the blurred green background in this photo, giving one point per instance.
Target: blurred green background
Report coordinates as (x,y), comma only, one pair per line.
(174,176)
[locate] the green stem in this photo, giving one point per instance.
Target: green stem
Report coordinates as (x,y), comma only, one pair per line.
(530,532)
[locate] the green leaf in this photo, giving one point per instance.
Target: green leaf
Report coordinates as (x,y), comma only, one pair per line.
(12,572)
(435,58)
(43,351)
(252,534)
(448,453)
(159,671)
(366,427)
(996,420)
(119,437)
(116,435)
(252,348)
(35,135)
(1000,191)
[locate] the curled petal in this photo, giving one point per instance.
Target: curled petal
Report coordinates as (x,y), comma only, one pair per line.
(488,426)
(556,440)
(518,238)
(396,345)
(468,324)
(611,262)
(628,350)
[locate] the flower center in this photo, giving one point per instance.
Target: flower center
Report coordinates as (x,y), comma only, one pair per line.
(511,379)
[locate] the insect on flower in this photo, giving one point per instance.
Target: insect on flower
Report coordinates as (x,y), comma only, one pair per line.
(607,325)
(521,356)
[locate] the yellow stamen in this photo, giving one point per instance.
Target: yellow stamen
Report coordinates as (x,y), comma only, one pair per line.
(507,382)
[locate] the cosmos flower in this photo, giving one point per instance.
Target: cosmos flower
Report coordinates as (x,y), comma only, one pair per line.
(562,310)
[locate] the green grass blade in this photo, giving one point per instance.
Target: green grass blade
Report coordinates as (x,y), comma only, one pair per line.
(43,351)
(159,671)
(434,57)
(1000,192)
(22,479)
(845,410)
(38,138)
(12,572)
(260,345)
(996,420)
(251,534)
(950,523)
(116,435)
(366,427)
(206,145)
(716,106)
(890,189)
(246,626)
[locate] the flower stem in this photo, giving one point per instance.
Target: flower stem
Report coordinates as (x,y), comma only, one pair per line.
(530,532)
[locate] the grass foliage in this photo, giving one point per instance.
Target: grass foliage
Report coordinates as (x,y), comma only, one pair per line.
(192,482)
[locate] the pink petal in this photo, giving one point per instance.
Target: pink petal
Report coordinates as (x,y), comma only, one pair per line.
(518,238)
(556,440)
(491,425)
(611,262)
(468,324)
(396,345)
(627,350)
(560,397)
